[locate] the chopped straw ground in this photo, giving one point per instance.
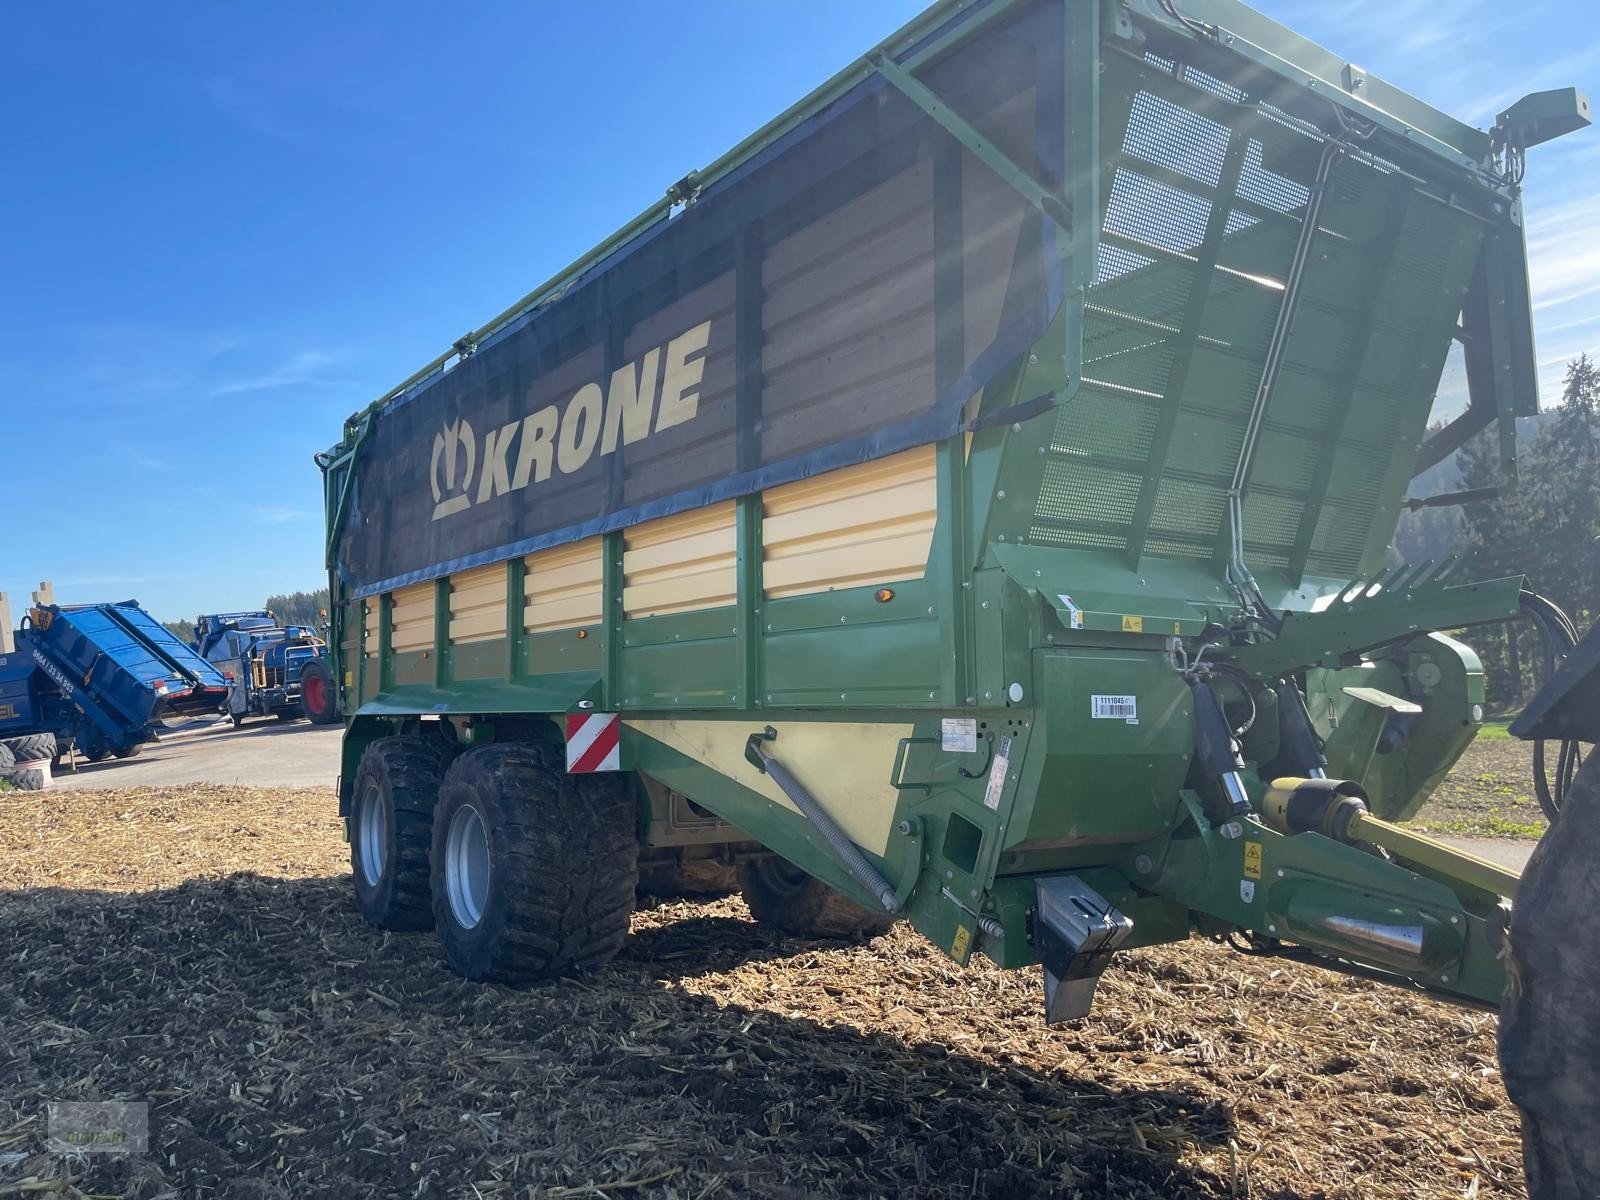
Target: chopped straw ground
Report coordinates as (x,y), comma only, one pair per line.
(196,948)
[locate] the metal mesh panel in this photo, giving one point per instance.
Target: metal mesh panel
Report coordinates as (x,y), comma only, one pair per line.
(1155,214)
(1200,224)
(1168,135)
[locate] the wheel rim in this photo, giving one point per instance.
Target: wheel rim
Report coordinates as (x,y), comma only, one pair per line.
(466,866)
(373,835)
(311,689)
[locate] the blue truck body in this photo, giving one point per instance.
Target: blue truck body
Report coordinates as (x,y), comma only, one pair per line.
(101,677)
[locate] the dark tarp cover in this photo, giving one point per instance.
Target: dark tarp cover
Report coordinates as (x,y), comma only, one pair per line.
(838,297)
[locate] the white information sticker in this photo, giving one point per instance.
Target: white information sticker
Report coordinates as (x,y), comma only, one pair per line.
(959,735)
(1114,708)
(997,773)
(1247,891)
(1074,613)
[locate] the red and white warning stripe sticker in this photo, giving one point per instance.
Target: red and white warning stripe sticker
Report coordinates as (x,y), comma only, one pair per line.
(593,742)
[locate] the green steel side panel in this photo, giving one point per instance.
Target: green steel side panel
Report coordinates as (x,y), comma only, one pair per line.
(686,661)
(478,660)
(1103,780)
(547,694)
(407,667)
(561,651)
(878,663)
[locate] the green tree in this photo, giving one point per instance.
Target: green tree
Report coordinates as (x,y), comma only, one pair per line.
(299,608)
(182,630)
(1544,529)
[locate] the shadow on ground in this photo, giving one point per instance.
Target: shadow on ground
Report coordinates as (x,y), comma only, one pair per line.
(286,1049)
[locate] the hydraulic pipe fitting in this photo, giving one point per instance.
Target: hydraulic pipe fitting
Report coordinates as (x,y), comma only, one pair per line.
(1217,749)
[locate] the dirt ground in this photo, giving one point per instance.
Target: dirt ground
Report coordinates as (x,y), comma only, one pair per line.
(1488,793)
(197,949)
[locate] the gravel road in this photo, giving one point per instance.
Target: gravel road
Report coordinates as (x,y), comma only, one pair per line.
(260,753)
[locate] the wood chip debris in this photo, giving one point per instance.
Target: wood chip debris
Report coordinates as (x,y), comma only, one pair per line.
(196,948)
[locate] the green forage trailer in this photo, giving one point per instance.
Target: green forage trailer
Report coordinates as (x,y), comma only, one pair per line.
(967,502)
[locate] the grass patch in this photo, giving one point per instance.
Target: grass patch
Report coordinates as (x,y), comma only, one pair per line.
(1488,793)
(1485,825)
(1494,731)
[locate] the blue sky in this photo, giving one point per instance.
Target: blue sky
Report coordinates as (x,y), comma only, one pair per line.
(226,227)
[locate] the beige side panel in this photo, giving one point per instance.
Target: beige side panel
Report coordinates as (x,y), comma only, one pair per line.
(412,617)
(478,604)
(846,767)
(679,563)
(562,587)
(858,526)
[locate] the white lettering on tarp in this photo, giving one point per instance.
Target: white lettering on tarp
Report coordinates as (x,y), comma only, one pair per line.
(496,470)
(679,399)
(537,447)
(657,391)
(580,428)
(630,401)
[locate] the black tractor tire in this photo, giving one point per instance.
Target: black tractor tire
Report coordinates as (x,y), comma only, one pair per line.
(319,698)
(391,828)
(783,896)
(132,751)
(30,747)
(554,859)
(287,714)
(28,779)
(94,754)
(1549,1040)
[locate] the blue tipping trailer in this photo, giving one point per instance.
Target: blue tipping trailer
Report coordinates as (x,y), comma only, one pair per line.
(101,677)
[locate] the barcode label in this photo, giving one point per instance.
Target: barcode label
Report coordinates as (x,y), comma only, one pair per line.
(1114,708)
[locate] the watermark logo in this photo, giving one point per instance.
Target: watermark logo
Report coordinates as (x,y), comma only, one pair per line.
(453,446)
(111,1127)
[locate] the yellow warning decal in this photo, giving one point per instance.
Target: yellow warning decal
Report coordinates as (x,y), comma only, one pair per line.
(1252,860)
(1132,624)
(958,948)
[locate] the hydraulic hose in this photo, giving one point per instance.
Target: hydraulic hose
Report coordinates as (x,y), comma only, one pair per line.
(850,857)
(1558,636)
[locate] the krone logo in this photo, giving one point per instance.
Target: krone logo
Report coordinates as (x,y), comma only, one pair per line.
(658,390)
(454,446)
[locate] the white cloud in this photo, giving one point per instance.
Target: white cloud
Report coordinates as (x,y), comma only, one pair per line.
(1558,72)
(299,370)
(1564,252)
